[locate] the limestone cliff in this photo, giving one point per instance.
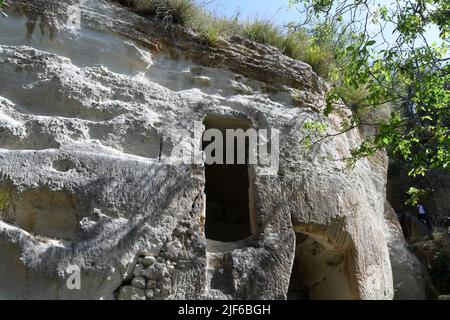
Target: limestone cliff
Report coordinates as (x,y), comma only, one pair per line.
(87,129)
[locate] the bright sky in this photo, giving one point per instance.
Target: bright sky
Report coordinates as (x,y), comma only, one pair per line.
(277,11)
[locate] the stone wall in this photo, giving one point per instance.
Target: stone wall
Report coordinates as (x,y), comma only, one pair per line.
(87,129)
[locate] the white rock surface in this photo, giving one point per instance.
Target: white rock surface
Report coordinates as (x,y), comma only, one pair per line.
(87,120)
(138,282)
(131,293)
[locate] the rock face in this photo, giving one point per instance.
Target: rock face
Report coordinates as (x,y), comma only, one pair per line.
(411,280)
(91,188)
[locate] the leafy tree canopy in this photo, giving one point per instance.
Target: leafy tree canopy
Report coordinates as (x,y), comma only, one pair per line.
(391,59)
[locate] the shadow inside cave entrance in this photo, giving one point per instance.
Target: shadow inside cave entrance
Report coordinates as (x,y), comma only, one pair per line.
(228,188)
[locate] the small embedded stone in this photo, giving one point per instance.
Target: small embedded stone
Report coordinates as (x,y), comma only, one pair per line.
(138,282)
(131,293)
(138,270)
(173,249)
(148,261)
(149,293)
(151,284)
(155,272)
(203,80)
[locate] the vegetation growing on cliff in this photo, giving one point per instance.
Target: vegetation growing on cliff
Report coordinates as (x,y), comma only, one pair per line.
(407,72)
(179,12)
(5,194)
(296,43)
(367,72)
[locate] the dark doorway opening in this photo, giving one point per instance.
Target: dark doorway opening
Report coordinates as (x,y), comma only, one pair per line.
(228,189)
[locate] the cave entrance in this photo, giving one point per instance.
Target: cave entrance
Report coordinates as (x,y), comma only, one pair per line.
(229,188)
(320,271)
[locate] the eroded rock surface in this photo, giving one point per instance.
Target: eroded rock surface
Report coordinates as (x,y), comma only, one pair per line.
(87,130)
(411,280)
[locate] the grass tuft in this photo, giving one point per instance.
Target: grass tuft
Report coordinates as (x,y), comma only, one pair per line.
(4,196)
(170,12)
(211,30)
(5,199)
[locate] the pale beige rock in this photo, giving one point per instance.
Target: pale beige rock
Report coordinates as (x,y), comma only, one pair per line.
(131,293)
(411,280)
(89,118)
(147,261)
(138,282)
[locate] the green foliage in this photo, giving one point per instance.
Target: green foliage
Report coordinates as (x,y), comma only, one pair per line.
(366,75)
(439,235)
(317,49)
(351,96)
(440,272)
(4,196)
(209,34)
(305,46)
(309,47)
(171,12)
(439,268)
(410,74)
(320,59)
(293,45)
(263,32)
(415,194)
(316,126)
(313,129)
(211,29)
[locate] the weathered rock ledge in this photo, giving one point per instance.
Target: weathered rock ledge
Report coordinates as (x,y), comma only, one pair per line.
(87,130)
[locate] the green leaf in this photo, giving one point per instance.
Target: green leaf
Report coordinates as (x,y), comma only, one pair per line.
(404,75)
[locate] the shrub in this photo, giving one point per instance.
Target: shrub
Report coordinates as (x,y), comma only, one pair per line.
(291,46)
(312,49)
(440,272)
(4,196)
(320,59)
(302,46)
(263,32)
(5,199)
(210,29)
(171,12)
(351,96)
